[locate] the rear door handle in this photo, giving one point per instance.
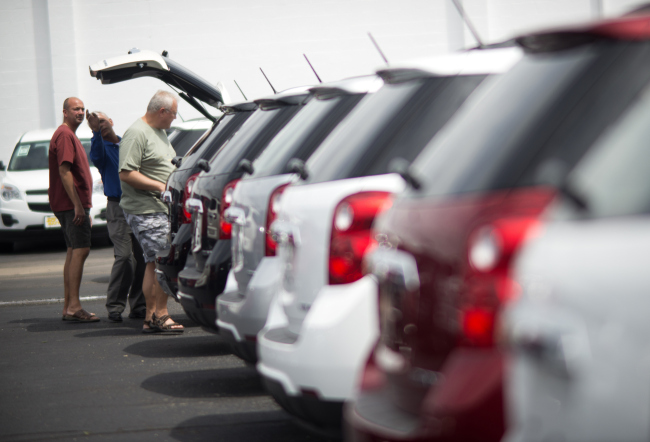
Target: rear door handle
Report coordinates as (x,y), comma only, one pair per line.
(235,215)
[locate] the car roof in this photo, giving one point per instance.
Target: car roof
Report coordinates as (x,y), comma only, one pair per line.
(83,132)
(472,62)
(195,123)
(351,86)
(294,95)
(634,27)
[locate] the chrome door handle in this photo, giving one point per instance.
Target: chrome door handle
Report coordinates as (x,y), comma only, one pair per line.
(194,205)
(235,215)
(396,267)
(283,232)
(166,196)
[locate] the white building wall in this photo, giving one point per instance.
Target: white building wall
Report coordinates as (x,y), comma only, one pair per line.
(224,40)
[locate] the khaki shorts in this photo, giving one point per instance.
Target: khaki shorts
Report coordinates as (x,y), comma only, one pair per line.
(76,237)
(151,230)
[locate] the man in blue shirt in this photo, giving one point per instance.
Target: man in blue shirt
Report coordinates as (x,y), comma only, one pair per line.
(128,269)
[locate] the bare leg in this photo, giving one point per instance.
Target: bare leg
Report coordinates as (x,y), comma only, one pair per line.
(66,281)
(74,273)
(155,297)
(149,291)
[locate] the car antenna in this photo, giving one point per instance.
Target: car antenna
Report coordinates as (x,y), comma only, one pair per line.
(312,68)
(469,24)
(267,79)
(378,48)
(242,92)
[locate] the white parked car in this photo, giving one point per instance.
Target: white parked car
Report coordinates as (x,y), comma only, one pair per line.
(578,332)
(322,320)
(24,203)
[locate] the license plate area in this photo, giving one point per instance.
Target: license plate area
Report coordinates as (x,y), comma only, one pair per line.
(51,222)
(196,236)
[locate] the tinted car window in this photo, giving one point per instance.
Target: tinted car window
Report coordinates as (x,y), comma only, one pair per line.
(183,140)
(214,139)
(547,110)
(303,133)
(396,121)
(613,178)
(231,152)
(34,155)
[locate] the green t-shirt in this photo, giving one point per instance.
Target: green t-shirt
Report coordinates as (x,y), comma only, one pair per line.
(148,151)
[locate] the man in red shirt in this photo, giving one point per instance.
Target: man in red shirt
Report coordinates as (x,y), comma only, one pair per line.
(70,194)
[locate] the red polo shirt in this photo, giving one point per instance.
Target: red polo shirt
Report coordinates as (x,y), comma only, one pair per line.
(66,147)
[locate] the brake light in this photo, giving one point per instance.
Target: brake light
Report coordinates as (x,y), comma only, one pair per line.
(225,228)
(185,217)
(351,234)
(272,215)
(487,284)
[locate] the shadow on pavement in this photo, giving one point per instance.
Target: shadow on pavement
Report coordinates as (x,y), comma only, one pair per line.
(54,324)
(270,426)
(179,346)
(219,383)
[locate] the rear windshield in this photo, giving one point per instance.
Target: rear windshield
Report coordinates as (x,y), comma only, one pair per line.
(396,121)
(303,133)
(547,110)
(182,140)
(253,135)
(34,155)
(214,138)
(613,179)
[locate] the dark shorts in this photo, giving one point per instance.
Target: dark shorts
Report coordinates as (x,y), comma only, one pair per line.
(151,231)
(76,237)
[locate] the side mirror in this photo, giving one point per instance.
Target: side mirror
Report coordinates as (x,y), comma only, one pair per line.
(203,165)
(297,166)
(246,166)
(402,167)
(176,161)
(2,166)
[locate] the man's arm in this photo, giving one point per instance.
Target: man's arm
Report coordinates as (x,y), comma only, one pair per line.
(139,181)
(97,150)
(68,185)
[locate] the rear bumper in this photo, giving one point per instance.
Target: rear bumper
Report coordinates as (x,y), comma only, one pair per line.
(325,360)
(197,290)
(320,415)
(467,405)
(243,316)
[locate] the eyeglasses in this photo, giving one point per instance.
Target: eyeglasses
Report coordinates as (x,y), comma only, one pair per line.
(172,112)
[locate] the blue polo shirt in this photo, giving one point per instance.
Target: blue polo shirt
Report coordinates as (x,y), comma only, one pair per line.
(106,156)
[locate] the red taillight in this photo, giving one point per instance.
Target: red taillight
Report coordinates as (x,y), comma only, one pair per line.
(225,228)
(351,234)
(184,216)
(271,215)
(487,284)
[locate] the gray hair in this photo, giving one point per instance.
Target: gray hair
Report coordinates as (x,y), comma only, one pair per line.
(161,99)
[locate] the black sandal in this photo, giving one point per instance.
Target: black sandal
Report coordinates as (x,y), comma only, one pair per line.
(151,324)
(159,323)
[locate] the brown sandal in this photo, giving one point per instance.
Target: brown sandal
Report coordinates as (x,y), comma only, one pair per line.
(81,316)
(159,323)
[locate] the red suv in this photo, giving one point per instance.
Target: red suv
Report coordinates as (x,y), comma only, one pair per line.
(476,191)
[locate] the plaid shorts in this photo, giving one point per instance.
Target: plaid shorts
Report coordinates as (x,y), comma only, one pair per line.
(151,230)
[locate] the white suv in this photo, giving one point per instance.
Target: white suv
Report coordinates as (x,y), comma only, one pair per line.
(24,204)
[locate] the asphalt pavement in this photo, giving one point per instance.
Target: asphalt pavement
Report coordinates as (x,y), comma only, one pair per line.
(106,381)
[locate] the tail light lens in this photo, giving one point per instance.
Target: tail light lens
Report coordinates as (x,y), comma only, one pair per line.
(488,284)
(185,216)
(225,228)
(351,234)
(272,215)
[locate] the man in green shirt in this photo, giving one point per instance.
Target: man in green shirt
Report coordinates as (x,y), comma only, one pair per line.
(145,165)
